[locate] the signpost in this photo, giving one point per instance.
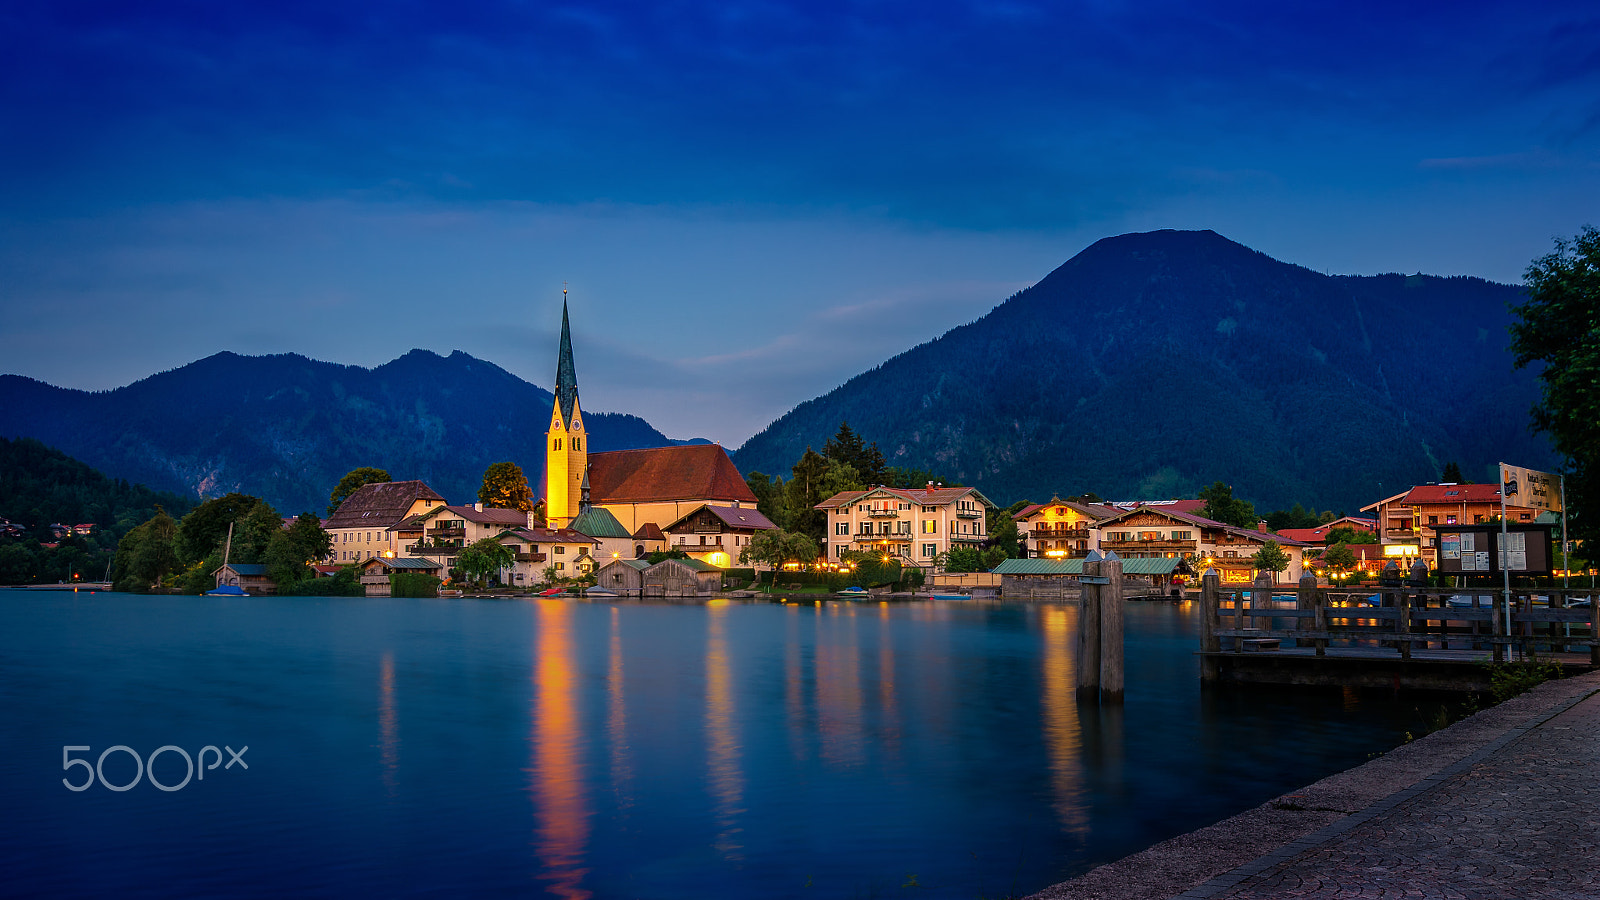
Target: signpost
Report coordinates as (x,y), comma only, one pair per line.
(1539,490)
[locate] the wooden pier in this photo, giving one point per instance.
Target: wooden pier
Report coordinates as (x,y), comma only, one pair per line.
(1396,635)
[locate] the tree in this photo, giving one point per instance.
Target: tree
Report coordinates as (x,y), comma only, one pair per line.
(848,448)
(1451,474)
(804,491)
(769,497)
(145,555)
(1003,528)
(483,558)
(1559,326)
(1271,558)
(1339,558)
(354,481)
(962,559)
(292,550)
(1222,507)
(775,547)
(1344,534)
(205,528)
(505,487)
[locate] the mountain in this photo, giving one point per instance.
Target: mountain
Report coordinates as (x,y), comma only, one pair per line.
(288,428)
(1151,365)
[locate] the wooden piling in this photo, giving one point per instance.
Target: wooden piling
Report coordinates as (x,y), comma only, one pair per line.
(1089,631)
(1210,624)
(1261,598)
(1594,629)
(1111,611)
(1306,599)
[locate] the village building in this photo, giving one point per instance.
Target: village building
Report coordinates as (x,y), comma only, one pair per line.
(649,538)
(716,534)
(624,576)
(568,552)
(248,577)
(1060,528)
(613,540)
(374,574)
(638,487)
(1319,534)
(1404,518)
(363,525)
(681,578)
(913,525)
(1147,532)
(440,532)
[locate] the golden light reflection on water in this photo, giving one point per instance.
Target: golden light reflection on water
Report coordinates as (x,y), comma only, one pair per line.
(388,724)
(886,698)
(794,696)
(727,779)
(617,719)
(556,774)
(1063,733)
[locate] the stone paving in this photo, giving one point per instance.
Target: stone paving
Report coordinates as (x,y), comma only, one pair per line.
(1500,805)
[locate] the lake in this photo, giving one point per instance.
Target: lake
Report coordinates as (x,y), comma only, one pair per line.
(569,749)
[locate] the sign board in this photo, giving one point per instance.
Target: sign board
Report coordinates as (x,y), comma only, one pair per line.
(1477,550)
(1530,488)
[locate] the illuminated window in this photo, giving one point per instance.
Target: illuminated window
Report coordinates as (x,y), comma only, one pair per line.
(1449,520)
(930,526)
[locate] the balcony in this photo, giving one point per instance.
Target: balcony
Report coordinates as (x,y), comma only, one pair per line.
(879,512)
(529,557)
(969,513)
(444,533)
(425,550)
(902,538)
(1054,534)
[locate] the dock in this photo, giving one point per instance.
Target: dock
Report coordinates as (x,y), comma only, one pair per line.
(1396,635)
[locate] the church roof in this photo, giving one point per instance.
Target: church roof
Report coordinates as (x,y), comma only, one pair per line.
(566,372)
(686,472)
(379,505)
(598,522)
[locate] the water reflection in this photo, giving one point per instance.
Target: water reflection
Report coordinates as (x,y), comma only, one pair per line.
(889,731)
(794,698)
(1063,735)
(837,673)
(556,772)
(727,781)
(388,724)
(617,718)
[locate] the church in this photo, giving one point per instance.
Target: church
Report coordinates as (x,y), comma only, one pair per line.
(643,490)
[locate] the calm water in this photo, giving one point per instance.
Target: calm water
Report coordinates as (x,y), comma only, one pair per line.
(567,749)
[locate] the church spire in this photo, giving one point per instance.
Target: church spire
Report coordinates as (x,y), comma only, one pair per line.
(566,373)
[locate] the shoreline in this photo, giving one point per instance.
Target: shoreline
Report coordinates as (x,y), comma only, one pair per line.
(1207,861)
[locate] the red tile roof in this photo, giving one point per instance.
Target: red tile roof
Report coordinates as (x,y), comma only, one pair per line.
(687,472)
(1092,510)
(1320,533)
(916,496)
(379,505)
(1452,493)
(551,535)
(649,531)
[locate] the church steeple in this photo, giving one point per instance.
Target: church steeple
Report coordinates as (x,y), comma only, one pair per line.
(566,461)
(566,372)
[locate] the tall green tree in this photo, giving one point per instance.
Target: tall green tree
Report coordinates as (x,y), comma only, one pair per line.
(1271,558)
(1339,558)
(353,481)
(1451,473)
(291,551)
(203,530)
(847,447)
(804,491)
(146,555)
(1559,326)
(1221,506)
(505,487)
(769,497)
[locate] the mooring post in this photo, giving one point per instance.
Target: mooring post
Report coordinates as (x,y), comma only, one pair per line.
(1261,599)
(1594,629)
(1210,624)
(1306,599)
(1497,624)
(1089,629)
(1111,671)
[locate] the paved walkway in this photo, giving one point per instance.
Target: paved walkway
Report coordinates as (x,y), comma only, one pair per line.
(1500,805)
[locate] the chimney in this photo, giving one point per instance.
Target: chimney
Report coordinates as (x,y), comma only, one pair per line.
(1261,525)
(930,485)
(478,507)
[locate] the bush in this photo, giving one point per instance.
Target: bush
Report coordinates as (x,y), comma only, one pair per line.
(413,584)
(1507,680)
(343,583)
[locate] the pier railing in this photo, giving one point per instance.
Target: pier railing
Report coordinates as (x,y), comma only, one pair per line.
(1401,617)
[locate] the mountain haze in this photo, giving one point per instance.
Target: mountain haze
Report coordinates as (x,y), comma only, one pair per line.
(287,428)
(1151,365)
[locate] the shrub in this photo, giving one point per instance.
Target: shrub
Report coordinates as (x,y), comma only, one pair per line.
(413,584)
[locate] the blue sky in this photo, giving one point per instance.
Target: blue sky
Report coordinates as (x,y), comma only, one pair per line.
(750,201)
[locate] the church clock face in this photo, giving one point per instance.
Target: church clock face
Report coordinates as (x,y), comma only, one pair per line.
(577,425)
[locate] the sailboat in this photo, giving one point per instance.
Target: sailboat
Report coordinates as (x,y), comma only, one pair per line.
(227,590)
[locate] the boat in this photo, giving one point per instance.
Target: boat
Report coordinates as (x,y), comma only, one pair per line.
(600,592)
(853,592)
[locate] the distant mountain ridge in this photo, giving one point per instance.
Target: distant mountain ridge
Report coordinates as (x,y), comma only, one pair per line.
(286,428)
(1150,365)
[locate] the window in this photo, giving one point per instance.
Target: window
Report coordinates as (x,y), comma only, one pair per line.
(682,540)
(1449,520)
(560,550)
(928,551)
(930,526)
(838,550)
(560,566)
(1525,516)
(577,443)
(927,509)
(1433,520)
(558,444)
(1182,535)
(841,528)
